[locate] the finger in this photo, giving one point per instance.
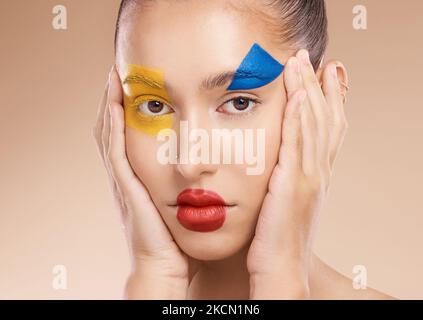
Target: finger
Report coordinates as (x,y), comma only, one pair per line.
(98,128)
(292,76)
(106,117)
(114,134)
(319,108)
(290,154)
(309,132)
(114,97)
(115,189)
(312,85)
(294,82)
(98,132)
(116,94)
(332,91)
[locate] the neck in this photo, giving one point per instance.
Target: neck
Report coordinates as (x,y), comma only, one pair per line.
(222,279)
(229,278)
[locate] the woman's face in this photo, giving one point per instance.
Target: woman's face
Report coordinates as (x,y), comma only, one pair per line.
(181,43)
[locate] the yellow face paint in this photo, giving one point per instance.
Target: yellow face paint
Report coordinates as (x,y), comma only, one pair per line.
(141,84)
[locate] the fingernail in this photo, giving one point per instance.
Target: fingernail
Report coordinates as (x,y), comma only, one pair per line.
(304,56)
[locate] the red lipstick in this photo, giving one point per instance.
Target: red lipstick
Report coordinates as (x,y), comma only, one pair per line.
(200,210)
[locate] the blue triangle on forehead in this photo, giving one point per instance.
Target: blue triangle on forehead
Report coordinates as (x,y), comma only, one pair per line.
(257,69)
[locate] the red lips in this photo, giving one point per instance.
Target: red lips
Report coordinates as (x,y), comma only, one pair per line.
(200,210)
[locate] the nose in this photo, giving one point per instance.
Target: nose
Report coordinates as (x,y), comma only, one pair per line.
(194,172)
(195,158)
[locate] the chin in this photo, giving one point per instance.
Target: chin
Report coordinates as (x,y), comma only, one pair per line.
(209,246)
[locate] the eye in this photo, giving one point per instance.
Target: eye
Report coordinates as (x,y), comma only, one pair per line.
(154,108)
(238,105)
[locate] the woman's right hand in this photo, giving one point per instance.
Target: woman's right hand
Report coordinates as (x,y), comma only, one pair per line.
(159,267)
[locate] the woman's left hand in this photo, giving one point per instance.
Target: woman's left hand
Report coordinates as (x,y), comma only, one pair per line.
(312,133)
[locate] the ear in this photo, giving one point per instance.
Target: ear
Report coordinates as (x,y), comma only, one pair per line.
(342,75)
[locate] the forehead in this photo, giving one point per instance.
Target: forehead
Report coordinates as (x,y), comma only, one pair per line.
(187,39)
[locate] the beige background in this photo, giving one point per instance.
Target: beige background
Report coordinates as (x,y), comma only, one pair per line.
(55,205)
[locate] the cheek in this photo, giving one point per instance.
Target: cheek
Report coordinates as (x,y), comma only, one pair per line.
(141,152)
(257,184)
(253,188)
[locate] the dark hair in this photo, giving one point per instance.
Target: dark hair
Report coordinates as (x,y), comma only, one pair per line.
(297,23)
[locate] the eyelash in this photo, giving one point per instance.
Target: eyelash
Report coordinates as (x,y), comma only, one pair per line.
(142,99)
(242,114)
(147,98)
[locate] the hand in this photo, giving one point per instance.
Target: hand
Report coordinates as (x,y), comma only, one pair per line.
(313,130)
(160,268)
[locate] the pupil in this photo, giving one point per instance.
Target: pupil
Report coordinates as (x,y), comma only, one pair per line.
(243,105)
(155,106)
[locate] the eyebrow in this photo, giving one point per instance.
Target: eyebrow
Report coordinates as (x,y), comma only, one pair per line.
(220,79)
(209,83)
(142,79)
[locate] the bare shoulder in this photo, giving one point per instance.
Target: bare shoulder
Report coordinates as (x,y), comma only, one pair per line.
(327,283)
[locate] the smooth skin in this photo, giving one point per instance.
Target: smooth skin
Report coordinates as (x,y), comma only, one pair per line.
(280,263)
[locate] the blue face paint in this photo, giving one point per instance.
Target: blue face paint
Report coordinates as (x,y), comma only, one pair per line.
(257,69)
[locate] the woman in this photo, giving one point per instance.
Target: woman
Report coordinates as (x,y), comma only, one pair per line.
(206,229)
